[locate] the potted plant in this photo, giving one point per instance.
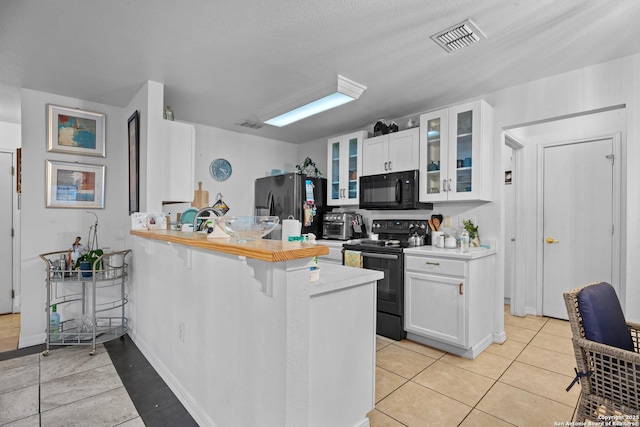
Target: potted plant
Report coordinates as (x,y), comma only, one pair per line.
(86,261)
(474,238)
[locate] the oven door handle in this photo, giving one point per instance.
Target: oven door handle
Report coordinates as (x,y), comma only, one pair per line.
(381,256)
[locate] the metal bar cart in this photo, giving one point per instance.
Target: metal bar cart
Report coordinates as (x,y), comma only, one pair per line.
(90,303)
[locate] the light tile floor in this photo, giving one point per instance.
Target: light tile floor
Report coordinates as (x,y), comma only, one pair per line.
(520,382)
(66,388)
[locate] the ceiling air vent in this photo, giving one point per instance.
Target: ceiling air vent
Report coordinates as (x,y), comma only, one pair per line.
(249,124)
(460,35)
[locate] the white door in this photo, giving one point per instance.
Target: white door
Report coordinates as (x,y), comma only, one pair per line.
(577,219)
(6,240)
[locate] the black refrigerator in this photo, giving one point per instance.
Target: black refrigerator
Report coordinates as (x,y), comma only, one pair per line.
(295,195)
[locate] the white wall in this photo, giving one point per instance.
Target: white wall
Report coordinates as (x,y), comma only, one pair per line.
(591,88)
(604,85)
(250,156)
(51,229)
(599,86)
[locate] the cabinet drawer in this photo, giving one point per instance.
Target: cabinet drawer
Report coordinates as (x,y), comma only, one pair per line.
(436,265)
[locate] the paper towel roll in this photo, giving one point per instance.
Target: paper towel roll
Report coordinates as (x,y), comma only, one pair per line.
(290,227)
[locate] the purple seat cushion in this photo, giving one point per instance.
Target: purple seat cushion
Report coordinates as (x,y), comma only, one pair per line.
(602,316)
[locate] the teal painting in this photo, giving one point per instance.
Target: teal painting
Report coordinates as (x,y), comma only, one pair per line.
(76,132)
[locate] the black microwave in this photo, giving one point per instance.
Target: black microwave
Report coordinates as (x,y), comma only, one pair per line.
(397,190)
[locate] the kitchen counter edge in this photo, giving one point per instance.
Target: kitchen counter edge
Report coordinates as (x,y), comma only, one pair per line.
(261,249)
(474,253)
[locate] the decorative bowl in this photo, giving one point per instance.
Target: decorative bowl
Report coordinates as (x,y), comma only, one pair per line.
(248,227)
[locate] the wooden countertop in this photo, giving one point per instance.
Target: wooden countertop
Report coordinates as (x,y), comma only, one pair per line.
(262,249)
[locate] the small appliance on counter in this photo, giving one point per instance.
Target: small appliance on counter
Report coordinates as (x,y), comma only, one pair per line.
(386,254)
(343,226)
(292,196)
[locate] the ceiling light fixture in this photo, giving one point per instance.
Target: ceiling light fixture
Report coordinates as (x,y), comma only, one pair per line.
(459,35)
(347,91)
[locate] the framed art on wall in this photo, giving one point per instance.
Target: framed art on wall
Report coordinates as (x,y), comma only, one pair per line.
(75,131)
(134,162)
(75,185)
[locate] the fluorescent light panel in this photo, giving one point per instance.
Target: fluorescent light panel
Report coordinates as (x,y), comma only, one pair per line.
(348,91)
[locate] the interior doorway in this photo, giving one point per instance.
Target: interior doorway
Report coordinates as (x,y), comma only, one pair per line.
(514,217)
(603,124)
(6,232)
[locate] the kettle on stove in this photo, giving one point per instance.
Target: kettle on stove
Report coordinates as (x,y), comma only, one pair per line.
(416,240)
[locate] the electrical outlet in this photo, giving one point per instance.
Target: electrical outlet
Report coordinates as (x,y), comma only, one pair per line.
(181,331)
(446,221)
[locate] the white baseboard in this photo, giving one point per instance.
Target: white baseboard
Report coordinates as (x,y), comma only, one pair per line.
(198,414)
(470,353)
(530,311)
(31,340)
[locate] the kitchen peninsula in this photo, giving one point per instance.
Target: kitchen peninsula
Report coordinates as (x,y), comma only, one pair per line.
(243,338)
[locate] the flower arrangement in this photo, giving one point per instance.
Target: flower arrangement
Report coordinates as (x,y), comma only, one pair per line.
(309,168)
(474,238)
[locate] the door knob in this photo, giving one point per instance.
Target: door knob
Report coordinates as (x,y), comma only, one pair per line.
(552,240)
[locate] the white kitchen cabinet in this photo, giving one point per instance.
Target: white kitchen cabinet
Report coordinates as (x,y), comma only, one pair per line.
(394,152)
(449,301)
(179,157)
(344,167)
(456,153)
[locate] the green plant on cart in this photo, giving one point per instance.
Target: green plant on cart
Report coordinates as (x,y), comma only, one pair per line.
(91,257)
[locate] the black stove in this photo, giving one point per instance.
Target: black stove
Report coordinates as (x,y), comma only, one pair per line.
(385,254)
(393,234)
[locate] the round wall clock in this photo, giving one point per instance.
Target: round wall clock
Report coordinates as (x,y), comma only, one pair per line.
(220,169)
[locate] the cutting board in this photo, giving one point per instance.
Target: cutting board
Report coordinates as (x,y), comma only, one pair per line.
(200,198)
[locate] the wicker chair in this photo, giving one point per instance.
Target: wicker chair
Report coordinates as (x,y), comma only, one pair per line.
(609,376)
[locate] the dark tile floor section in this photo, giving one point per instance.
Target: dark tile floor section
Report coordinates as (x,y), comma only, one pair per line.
(154,401)
(6,355)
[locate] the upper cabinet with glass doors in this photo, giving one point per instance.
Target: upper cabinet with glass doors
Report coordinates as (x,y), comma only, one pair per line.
(455,153)
(344,167)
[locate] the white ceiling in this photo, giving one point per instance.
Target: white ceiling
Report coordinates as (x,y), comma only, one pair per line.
(226,61)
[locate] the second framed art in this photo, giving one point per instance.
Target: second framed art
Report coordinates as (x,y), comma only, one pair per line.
(75,185)
(75,131)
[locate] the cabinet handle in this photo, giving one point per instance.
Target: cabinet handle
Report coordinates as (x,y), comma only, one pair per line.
(385,166)
(444,185)
(389,165)
(449,186)
(460,289)
(432,263)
